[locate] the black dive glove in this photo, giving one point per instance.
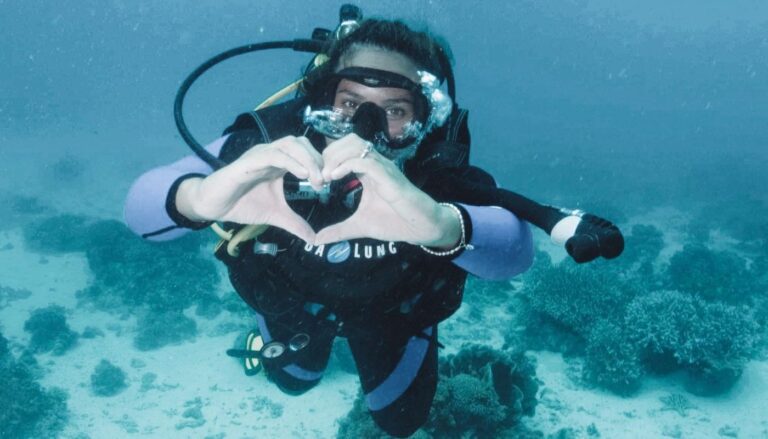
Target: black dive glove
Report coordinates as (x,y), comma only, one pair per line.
(587,237)
(584,236)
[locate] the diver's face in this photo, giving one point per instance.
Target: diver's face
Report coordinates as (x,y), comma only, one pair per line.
(397,103)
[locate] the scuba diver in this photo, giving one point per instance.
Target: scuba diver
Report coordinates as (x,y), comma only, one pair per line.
(352,211)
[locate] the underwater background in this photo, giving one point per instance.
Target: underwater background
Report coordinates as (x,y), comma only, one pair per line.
(651,114)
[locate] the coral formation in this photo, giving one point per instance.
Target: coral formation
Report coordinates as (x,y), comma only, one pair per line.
(610,361)
(677,403)
(707,317)
(512,376)
(643,244)
(18,209)
(50,331)
(108,379)
(28,409)
(466,405)
(192,415)
(561,303)
(482,392)
(711,341)
(135,277)
(576,296)
(358,424)
(713,275)
(8,295)
(57,234)
(158,329)
(155,282)
(92,332)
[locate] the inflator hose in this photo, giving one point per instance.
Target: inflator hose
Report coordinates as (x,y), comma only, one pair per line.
(595,237)
(299,45)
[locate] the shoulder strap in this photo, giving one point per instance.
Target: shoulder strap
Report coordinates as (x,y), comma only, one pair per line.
(271,122)
(445,148)
(262,126)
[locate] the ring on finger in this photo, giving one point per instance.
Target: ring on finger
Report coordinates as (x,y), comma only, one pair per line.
(367,150)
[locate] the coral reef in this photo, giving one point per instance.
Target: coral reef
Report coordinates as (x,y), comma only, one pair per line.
(512,375)
(643,244)
(481,293)
(17,209)
(677,403)
(610,361)
(707,317)
(50,331)
(28,409)
(92,332)
(576,296)
(8,295)
(57,234)
(169,276)
(711,341)
(466,405)
(192,415)
(158,329)
(713,275)
(358,424)
(744,220)
(108,379)
(5,349)
(155,282)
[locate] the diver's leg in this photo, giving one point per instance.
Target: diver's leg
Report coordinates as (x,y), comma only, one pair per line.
(307,365)
(398,373)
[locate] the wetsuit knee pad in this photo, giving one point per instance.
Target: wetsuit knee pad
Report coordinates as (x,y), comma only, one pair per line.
(409,413)
(289,384)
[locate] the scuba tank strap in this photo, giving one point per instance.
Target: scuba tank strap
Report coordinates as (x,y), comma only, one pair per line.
(447,148)
(272,122)
(458,126)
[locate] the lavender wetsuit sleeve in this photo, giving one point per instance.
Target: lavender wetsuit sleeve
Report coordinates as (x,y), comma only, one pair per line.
(146,209)
(502,244)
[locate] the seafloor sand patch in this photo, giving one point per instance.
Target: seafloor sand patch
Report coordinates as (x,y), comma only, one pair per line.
(564,404)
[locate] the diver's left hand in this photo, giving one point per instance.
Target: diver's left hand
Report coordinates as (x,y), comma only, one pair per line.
(391,207)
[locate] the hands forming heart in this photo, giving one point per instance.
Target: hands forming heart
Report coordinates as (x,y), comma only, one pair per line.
(250,191)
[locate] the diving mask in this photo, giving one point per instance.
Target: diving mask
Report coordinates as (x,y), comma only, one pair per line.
(431,109)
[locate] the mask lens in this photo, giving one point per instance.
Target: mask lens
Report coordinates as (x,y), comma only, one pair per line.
(400,108)
(328,121)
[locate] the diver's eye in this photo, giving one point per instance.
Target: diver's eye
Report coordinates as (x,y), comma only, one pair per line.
(396,113)
(351,105)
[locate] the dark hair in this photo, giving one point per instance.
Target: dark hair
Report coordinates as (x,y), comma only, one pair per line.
(426,51)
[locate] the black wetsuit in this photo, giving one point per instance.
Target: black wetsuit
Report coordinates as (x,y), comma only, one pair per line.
(386,298)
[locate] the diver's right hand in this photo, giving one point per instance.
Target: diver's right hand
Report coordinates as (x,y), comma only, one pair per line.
(250,189)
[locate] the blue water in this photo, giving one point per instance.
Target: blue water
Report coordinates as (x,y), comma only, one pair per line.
(646,113)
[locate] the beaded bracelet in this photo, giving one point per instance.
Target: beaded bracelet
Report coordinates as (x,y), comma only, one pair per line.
(462,242)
